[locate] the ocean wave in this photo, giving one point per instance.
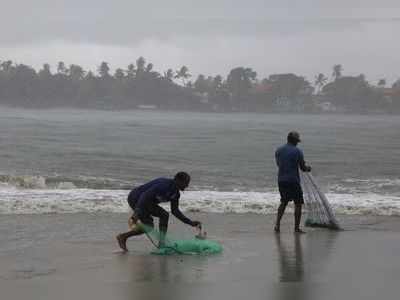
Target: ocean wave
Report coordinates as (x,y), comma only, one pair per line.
(384,181)
(58,201)
(60,182)
(385,186)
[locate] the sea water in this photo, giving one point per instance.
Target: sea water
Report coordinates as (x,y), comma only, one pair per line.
(69,161)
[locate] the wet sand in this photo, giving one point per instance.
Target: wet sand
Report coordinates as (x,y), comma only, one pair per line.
(74,257)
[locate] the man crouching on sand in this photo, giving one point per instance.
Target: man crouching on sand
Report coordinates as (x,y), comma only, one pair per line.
(145,199)
(289,159)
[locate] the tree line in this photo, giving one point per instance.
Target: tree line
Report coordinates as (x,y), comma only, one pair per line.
(139,85)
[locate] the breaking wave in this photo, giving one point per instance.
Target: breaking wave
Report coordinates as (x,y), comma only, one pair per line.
(60,182)
(43,201)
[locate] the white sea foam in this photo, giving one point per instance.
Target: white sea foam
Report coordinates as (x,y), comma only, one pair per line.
(384,181)
(43,201)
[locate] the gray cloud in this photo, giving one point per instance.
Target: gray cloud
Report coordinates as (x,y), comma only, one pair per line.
(302,36)
(129,22)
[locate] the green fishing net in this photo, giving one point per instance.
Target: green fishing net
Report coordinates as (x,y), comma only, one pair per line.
(181,246)
(190,246)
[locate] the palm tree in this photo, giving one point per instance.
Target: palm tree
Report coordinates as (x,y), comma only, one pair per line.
(239,83)
(169,74)
(6,65)
(183,74)
(240,80)
(104,70)
(140,64)
(320,81)
(337,71)
(200,84)
(61,69)
(131,71)
(45,71)
(119,74)
(76,72)
(149,68)
(217,82)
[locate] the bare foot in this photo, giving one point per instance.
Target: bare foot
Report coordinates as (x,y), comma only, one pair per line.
(298,230)
(121,242)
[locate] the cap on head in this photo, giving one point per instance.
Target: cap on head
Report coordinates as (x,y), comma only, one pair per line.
(293,136)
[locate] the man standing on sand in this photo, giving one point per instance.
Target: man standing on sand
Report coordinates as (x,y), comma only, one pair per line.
(289,159)
(144,201)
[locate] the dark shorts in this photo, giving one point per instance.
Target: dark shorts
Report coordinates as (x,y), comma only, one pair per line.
(145,212)
(291,191)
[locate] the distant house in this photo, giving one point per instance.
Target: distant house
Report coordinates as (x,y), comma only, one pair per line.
(286,104)
(388,94)
(307,90)
(204,98)
(323,104)
(283,102)
(262,88)
(326,106)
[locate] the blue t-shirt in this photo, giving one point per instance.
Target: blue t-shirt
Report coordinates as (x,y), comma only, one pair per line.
(288,158)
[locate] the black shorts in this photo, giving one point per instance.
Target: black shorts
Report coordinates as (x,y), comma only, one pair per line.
(291,191)
(145,212)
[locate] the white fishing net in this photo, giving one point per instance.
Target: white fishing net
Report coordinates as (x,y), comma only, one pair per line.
(319,211)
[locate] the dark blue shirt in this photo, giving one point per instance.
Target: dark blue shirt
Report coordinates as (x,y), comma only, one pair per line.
(158,190)
(161,190)
(289,158)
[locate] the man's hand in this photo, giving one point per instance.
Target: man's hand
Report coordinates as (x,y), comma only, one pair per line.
(196,224)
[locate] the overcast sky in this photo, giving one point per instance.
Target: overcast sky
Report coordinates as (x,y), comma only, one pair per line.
(208,36)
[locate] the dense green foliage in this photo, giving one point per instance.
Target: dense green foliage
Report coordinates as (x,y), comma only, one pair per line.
(139,85)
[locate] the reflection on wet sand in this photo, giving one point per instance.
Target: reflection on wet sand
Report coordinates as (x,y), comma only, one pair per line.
(290,259)
(153,277)
(301,258)
(148,269)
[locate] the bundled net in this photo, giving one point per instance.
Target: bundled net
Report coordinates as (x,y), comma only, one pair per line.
(181,246)
(319,212)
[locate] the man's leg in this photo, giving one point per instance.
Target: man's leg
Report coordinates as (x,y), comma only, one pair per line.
(132,222)
(123,237)
(298,203)
(163,215)
(281,211)
(135,230)
(297,217)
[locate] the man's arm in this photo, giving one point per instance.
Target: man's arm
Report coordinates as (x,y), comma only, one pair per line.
(302,164)
(178,214)
(276,158)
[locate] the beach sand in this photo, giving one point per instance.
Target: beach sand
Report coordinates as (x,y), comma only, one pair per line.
(73,256)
